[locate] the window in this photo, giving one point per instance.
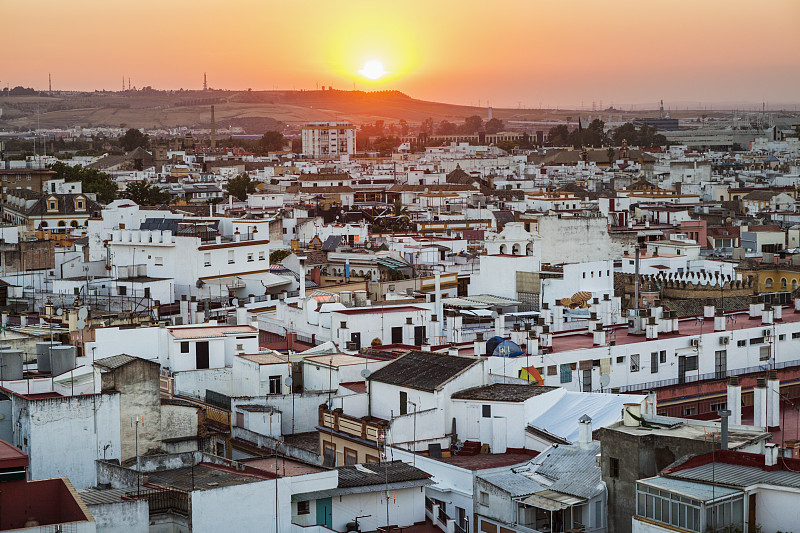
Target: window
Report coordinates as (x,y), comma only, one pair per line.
(613,467)
(250,258)
(261,256)
(328,453)
(484,498)
(764,353)
(668,508)
(768,283)
(718,406)
(689,411)
(741,343)
(184,347)
(207,259)
(653,362)
(552,370)
(720,364)
(159,261)
(122,290)
(634,362)
(757,340)
(350,457)
(796,335)
(231,258)
(371,459)
(781,337)
(691,363)
(620,359)
(303,508)
(275,385)
(403,402)
(662,356)
(566,373)
(487,411)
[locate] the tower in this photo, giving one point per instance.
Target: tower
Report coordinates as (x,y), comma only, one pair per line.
(49,82)
(661,110)
(205,82)
(213,129)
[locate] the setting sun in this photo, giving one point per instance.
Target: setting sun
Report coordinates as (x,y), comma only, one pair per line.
(373,70)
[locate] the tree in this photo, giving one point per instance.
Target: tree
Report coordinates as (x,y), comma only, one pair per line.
(558,135)
(144,193)
(611,155)
(92,180)
(133,139)
(472,124)
(272,141)
(446,128)
(241,186)
(508,146)
(385,145)
(494,125)
(403,127)
(427,126)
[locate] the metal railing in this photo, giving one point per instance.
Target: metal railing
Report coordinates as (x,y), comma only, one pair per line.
(694,377)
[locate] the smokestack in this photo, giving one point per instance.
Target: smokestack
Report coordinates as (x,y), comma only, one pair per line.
(770,454)
(584,431)
(760,403)
(213,129)
(724,414)
(735,400)
(773,400)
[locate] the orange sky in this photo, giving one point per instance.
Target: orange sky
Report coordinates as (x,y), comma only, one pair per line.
(563,52)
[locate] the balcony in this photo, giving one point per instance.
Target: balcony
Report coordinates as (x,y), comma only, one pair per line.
(366,428)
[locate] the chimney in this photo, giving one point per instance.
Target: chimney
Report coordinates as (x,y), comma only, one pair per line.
(665,325)
(546,313)
(213,129)
(777,312)
(651,329)
(302,277)
(241,314)
(797,305)
(608,310)
(599,335)
(452,350)
(723,415)
(760,403)
(425,347)
(532,346)
(546,338)
(770,454)
(237,237)
(193,310)
(435,324)
(708,310)
(767,315)
(479,346)
(184,309)
(735,400)
(593,321)
(755,307)
(23,320)
(651,403)
(584,431)
(499,323)
(719,320)
(558,317)
(675,322)
(773,400)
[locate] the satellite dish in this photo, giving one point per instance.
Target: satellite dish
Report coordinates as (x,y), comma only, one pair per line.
(288,381)
(494,314)
(59,312)
(366,373)
(235,302)
(605,379)
(80,324)
(83,313)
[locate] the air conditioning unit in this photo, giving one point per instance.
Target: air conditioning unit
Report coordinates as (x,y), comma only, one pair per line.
(724,340)
(768,333)
(695,342)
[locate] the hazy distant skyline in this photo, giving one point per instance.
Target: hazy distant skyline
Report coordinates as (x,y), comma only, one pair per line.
(507,53)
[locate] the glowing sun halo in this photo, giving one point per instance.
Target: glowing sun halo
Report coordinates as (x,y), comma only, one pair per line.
(373,70)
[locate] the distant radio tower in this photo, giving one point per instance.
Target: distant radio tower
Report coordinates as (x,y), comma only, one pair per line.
(123,83)
(50,82)
(205,82)
(129,83)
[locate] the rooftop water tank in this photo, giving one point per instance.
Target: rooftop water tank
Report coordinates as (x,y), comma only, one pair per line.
(10,364)
(62,359)
(43,355)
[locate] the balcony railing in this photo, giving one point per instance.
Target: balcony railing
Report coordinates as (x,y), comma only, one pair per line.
(361,428)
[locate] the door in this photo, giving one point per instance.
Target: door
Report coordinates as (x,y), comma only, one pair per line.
(720,364)
(201,354)
(355,338)
(682,369)
(397,335)
(325,512)
(419,335)
(473,430)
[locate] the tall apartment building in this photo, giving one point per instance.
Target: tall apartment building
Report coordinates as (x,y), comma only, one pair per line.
(329,139)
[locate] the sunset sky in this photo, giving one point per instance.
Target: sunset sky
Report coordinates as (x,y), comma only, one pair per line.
(564,52)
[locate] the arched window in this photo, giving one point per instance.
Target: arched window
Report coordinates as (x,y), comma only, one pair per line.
(783,283)
(516,249)
(503,249)
(62,224)
(74,224)
(794,284)
(768,283)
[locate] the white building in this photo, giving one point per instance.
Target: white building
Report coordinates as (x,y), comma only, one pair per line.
(329,139)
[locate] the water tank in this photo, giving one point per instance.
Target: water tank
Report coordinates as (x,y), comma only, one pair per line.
(360,298)
(10,364)
(62,359)
(346,298)
(43,355)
